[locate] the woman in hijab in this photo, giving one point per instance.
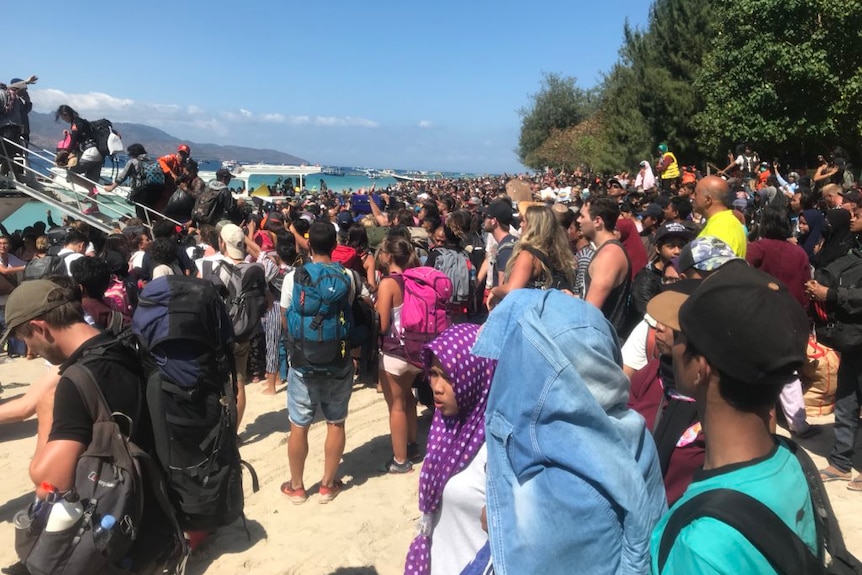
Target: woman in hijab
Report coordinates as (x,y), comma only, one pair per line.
(811,232)
(631,240)
(837,238)
(452,482)
(645,180)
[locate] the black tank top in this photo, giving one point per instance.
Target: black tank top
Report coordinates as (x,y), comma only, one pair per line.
(616,305)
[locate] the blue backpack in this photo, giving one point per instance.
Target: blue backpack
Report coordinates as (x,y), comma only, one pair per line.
(151,174)
(319,319)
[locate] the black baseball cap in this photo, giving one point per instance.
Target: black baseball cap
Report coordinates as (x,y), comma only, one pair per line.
(743,321)
(223,173)
(500,211)
(653,210)
(673,230)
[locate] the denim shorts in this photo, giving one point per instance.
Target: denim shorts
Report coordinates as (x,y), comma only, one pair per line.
(304,395)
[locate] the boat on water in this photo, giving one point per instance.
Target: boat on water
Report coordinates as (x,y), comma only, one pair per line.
(245,172)
(332,171)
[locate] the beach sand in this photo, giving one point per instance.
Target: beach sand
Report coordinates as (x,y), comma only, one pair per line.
(365,531)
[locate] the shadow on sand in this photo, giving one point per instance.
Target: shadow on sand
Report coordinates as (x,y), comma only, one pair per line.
(13,506)
(227,540)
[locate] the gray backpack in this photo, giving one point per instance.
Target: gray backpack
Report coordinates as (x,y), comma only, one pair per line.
(113,477)
(456,266)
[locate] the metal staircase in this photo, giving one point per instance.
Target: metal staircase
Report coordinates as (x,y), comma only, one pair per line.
(105,211)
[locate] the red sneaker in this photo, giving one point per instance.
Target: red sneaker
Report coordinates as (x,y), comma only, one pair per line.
(327,494)
(295,496)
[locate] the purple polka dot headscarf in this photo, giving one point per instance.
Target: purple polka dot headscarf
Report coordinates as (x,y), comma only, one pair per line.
(452,441)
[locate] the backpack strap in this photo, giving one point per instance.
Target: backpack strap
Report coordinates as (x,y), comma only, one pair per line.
(115,325)
(829,535)
(93,398)
(771,536)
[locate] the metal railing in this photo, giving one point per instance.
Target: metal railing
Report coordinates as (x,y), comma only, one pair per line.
(58,189)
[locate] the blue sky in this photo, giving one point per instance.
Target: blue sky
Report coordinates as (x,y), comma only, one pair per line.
(381,84)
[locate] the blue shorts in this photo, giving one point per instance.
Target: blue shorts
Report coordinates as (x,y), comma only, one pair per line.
(305,394)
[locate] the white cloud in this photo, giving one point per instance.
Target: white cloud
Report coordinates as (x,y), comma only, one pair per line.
(425,124)
(346,121)
(48,101)
(159,115)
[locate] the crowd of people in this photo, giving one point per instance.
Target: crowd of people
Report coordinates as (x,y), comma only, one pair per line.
(664,320)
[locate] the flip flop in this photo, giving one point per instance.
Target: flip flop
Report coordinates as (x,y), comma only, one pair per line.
(855,484)
(831,474)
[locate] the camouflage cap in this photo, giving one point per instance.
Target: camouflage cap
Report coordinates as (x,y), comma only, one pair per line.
(705,254)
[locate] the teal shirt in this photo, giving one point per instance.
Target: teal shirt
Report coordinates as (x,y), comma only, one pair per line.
(707,545)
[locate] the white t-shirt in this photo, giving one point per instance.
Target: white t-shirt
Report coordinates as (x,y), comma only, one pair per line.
(458,533)
(137,260)
(69,259)
(634,349)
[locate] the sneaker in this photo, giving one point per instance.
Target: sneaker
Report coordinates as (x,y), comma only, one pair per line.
(394,467)
(414,453)
(295,496)
(93,210)
(327,494)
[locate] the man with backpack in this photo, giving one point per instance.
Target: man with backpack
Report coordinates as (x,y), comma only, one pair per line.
(497,219)
(319,321)
(73,248)
(212,204)
(97,405)
(244,289)
(741,336)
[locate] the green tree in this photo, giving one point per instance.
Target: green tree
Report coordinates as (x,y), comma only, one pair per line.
(784,74)
(559,104)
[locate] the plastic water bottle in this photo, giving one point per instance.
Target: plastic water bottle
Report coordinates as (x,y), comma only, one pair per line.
(103,531)
(65,513)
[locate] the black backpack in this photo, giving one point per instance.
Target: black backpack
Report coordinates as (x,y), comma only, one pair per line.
(102,130)
(559,279)
(50,265)
(183,325)
(778,543)
(113,477)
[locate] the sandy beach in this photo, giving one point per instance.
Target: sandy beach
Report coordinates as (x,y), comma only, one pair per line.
(365,531)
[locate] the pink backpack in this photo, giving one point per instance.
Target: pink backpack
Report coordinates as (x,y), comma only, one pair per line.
(423,315)
(117,298)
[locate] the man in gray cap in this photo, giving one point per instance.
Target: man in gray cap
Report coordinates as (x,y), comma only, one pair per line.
(49,318)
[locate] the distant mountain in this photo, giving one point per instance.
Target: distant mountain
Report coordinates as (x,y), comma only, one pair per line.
(45,132)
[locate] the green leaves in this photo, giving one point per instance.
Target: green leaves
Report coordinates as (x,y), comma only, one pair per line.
(705,75)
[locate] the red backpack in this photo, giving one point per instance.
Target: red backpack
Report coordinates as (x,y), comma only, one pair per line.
(347,257)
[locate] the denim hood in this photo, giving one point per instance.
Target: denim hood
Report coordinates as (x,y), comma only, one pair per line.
(573,478)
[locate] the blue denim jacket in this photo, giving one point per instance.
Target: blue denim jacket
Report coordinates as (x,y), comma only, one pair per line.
(573,478)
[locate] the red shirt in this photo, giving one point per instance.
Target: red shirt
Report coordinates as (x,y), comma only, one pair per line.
(786,262)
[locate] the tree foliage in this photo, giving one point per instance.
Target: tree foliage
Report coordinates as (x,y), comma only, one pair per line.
(703,75)
(785,74)
(559,104)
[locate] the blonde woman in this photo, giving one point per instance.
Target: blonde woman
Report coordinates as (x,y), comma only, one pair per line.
(541,259)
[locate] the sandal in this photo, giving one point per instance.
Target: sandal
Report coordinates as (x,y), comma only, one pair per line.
(327,494)
(296,496)
(855,484)
(832,474)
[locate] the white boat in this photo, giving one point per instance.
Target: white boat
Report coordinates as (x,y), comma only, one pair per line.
(245,172)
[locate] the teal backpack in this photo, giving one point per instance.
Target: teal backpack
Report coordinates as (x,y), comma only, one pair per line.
(320,320)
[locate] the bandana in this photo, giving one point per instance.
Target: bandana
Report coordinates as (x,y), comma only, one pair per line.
(452,441)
